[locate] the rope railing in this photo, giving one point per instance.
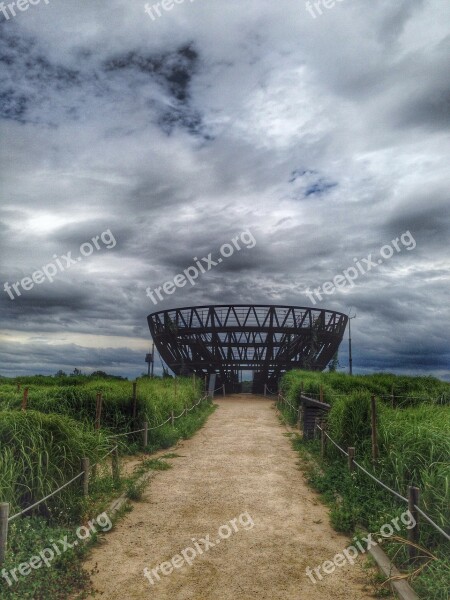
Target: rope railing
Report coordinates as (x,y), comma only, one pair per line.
(431,522)
(25,510)
(384,396)
(161,424)
(108,453)
(287,402)
(332,441)
(115,435)
(352,461)
(386,487)
(269,391)
(87,468)
(399,496)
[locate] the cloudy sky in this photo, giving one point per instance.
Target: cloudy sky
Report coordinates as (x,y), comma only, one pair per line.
(326,135)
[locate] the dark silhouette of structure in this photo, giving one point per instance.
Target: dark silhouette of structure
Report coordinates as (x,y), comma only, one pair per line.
(229,339)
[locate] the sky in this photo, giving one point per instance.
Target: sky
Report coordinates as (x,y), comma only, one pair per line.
(322,134)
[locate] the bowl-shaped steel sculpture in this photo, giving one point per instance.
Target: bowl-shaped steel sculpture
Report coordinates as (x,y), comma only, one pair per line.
(229,339)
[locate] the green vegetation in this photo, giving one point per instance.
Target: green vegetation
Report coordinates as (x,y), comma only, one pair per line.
(156,398)
(39,453)
(414,449)
(407,391)
(41,449)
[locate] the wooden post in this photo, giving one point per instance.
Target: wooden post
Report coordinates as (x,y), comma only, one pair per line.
(392,397)
(115,466)
(134,401)
(18,387)
(373,412)
(223,390)
(323,442)
(316,427)
(302,389)
(98,411)
(413,533)
(85,478)
(321,393)
(172,418)
(299,416)
(4,514)
(351,458)
(25,399)
(145,435)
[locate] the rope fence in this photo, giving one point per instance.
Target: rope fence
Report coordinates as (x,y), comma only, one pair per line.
(5,519)
(116,447)
(412,500)
(332,441)
(382,484)
(431,522)
(25,510)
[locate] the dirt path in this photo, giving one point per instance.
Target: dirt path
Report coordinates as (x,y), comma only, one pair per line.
(240,461)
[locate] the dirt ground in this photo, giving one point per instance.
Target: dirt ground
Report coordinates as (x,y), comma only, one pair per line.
(239,462)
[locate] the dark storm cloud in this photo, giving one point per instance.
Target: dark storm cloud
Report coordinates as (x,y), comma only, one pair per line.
(34,89)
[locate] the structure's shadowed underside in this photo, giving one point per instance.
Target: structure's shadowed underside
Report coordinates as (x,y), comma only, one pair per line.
(229,339)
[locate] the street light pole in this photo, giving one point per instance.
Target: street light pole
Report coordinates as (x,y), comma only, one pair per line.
(350,357)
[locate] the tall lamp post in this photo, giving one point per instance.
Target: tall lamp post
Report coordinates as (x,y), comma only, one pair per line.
(350,357)
(149,359)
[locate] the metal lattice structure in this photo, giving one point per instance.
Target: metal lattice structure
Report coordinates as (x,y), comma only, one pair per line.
(229,339)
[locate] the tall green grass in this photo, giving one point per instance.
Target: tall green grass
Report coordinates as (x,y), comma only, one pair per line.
(407,391)
(156,399)
(39,453)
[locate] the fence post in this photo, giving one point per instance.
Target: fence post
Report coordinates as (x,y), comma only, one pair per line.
(351,458)
(18,386)
(145,435)
(323,442)
(172,418)
(316,425)
(25,399)
(98,410)
(4,514)
(413,533)
(302,393)
(321,393)
(115,465)
(299,416)
(373,413)
(392,396)
(85,478)
(223,390)
(134,401)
